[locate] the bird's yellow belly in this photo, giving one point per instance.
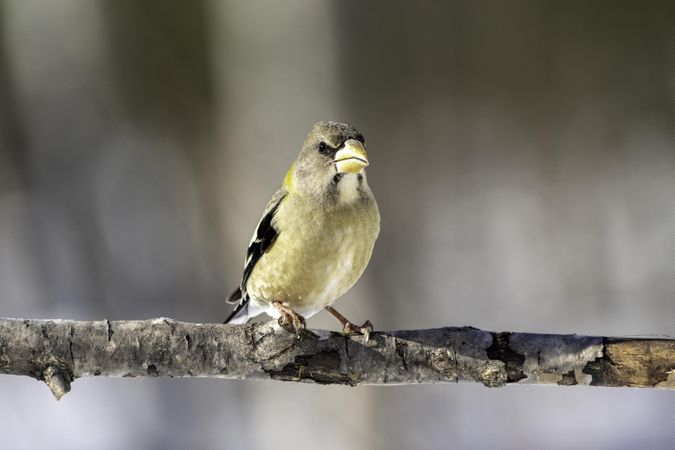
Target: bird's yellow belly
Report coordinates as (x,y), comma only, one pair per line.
(310,273)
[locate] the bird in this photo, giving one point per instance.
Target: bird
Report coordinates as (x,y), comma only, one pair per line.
(316,234)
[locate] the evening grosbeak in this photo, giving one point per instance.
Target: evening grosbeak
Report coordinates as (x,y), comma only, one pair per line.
(316,234)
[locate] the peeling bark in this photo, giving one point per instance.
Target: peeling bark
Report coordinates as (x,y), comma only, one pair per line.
(58,351)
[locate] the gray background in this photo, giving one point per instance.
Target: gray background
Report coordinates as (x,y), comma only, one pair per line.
(522,156)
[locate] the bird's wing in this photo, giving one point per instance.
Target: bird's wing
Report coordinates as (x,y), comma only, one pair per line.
(262,240)
(264,236)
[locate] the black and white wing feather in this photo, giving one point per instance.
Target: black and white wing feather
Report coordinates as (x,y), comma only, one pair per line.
(262,240)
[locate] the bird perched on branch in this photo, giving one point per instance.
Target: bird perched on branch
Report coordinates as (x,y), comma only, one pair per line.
(316,234)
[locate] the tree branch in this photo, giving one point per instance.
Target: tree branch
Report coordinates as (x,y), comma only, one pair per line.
(58,351)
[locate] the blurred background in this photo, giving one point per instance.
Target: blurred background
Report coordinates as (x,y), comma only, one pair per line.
(522,155)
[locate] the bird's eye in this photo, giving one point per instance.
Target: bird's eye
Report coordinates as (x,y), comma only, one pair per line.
(323,148)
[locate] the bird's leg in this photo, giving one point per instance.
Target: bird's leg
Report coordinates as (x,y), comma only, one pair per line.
(350,328)
(289,317)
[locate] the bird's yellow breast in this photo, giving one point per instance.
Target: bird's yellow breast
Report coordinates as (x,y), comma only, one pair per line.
(318,255)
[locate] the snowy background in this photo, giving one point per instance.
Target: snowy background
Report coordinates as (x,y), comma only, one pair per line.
(522,154)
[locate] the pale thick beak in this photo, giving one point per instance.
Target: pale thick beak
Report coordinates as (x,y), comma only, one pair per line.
(351,158)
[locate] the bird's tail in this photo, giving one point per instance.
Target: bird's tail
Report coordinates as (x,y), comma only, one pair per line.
(245,310)
(240,314)
(234,297)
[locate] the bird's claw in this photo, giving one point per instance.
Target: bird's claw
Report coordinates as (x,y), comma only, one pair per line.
(364,329)
(292,322)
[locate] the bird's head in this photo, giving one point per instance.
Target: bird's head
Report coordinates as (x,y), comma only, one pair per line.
(331,150)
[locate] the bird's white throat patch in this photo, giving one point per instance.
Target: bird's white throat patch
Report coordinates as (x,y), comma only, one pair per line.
(348,187)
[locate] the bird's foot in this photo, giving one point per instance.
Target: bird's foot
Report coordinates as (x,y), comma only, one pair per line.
(350,328)
(365,329)
(289,319)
